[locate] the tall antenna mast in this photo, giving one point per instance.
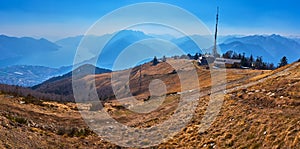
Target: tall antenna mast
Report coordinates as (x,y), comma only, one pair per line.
(215,52)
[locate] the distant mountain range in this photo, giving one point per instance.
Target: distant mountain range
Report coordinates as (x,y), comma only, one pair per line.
(119,41)
(271,48)
(17,50)
(26,55)
(297,39)
(30,51)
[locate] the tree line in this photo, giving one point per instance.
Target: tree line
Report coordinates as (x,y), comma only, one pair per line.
(249,62)
(31,95)
(255,63)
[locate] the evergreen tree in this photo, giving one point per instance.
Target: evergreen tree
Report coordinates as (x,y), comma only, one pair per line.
(196,56)
(227,54)
(259,63)
(240,56)
(235,56)
(283,61)
(155,61)
(271,66)
(244,61)
(251,61)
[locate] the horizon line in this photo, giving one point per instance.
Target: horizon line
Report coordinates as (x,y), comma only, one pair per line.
(37,37)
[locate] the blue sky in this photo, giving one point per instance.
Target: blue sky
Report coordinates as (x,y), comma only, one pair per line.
(57,19)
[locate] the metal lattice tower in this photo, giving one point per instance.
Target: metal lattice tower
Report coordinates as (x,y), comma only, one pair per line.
(215,52)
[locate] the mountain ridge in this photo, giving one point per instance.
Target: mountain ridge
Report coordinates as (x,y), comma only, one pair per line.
(81,71)
(65,48)
(15,49)
(270,47)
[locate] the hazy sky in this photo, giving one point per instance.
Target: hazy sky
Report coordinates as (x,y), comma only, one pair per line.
(57,19)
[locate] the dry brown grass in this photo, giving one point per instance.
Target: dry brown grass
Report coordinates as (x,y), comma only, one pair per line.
(253,117)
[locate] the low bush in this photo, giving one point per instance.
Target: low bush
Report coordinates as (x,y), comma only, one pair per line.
(74,132)
(17,119)
(30,99)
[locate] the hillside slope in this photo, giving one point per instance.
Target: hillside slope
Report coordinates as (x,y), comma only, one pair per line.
(260,110)
(163,71)
(62,85)
(264,115)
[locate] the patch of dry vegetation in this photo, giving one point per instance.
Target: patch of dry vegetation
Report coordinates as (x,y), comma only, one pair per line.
(265,115)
